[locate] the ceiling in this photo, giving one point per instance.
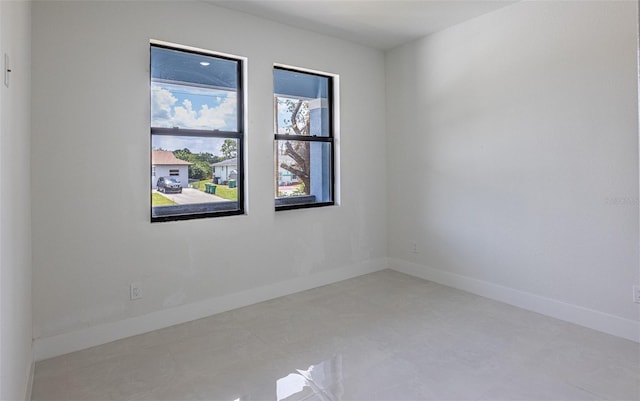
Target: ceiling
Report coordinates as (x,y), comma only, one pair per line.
(382,24)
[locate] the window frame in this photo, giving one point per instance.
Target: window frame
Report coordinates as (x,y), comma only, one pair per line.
(238,135)
(286,203)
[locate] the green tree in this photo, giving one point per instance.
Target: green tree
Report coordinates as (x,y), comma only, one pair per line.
(200,170)
(184,154)
(229,149)
(200,167)
(208,157)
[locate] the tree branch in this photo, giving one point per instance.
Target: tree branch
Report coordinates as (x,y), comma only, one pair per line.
(294,120)
(294,170)
(295,155)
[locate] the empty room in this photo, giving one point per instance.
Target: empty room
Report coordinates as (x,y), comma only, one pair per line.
(290,200)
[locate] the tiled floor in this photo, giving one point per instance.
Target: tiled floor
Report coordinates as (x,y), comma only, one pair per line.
(383,336)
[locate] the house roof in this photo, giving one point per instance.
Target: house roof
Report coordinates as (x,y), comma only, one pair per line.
(166,158)
(229,162)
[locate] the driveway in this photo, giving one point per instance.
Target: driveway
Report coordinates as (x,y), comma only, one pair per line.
(190,195)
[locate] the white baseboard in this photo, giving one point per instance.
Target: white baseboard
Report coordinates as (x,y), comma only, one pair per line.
(32,370)
(593,319)
(49,347)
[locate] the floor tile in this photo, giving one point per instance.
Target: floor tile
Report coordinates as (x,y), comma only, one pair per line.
(381,336)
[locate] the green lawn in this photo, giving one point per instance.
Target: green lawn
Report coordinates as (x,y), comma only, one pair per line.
(222,191)
(159,200)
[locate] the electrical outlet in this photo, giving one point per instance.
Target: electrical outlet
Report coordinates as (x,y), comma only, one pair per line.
(135,291)
(7,70)
(636,294)
(414,247)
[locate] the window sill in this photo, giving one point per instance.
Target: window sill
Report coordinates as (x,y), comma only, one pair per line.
(194,211)
(299,202)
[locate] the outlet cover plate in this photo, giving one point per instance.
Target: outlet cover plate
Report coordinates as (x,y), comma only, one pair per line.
(7,70)
(135,291)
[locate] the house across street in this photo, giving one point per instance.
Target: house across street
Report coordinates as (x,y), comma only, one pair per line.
(165,164)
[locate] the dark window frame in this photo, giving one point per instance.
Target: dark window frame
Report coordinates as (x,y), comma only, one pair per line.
(288,203)
(205,210)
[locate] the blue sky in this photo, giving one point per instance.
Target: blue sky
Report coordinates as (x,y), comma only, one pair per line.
(191,107)
(198,108)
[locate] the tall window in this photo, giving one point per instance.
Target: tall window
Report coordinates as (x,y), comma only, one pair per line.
(303,139)
(196,123)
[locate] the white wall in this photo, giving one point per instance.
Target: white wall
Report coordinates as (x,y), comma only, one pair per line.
(15,208)
(512,165)
(517,133)
(91,107)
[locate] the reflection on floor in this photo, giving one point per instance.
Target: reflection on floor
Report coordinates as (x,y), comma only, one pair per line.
(322,382)
(383,336)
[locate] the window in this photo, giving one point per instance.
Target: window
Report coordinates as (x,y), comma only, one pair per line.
(196,124)
(303,139)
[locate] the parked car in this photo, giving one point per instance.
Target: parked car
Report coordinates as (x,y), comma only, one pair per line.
(169,184)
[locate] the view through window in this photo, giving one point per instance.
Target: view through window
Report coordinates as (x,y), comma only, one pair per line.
(303,140)
(196,127)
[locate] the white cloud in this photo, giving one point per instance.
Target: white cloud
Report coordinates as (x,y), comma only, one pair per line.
(184,116)
(162,102)
(166,113)
(222,117)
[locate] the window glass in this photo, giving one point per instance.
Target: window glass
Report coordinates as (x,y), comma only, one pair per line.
(197,108)
(303,138)
(196,127)
(293,181)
